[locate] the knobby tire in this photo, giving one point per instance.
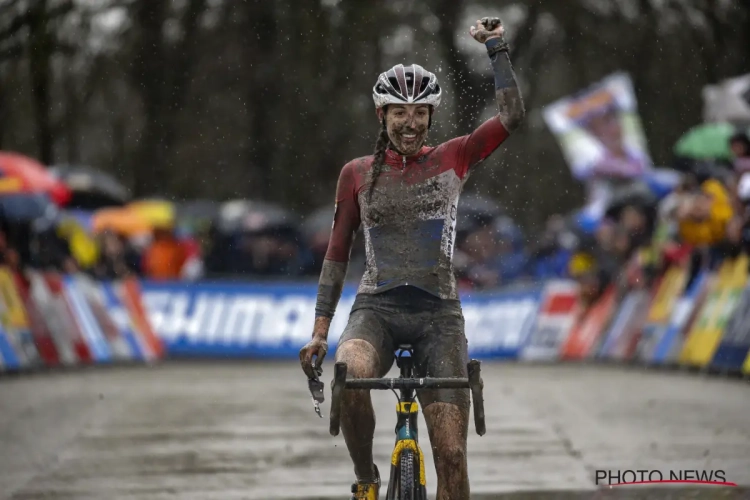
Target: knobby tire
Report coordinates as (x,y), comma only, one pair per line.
(407,484)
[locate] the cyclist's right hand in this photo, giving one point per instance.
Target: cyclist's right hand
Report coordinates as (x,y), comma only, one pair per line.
(317,347)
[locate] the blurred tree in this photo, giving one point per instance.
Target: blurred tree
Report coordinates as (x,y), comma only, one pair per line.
(36,19)
(164,57)
(268,99)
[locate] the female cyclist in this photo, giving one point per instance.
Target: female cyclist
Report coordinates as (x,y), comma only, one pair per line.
(405,197)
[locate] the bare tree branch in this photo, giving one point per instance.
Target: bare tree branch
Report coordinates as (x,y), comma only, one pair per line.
(13,51)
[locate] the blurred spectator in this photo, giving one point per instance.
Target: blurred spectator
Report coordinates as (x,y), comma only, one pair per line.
(739,143)
(511,259)
(193,268)
(549,257)
(591,279)
(165,256)
(117,259)
(704,217)
(271,251)
(703,214)
(8,255)
(50,252)
(474,256)
(318,244)
(216,248)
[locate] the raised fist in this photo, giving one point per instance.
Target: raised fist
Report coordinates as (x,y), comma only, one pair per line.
(487,28)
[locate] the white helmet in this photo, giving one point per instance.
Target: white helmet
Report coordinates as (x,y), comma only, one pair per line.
(397,86)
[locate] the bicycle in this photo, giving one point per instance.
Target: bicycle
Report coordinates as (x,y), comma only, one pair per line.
(407,476)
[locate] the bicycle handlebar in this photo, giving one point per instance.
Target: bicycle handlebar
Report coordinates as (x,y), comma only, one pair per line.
(473,382)
(407,383)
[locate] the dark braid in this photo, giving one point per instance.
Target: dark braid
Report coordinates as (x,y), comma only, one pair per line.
(378,161)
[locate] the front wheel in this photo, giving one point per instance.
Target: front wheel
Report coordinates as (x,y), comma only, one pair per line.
(407,484)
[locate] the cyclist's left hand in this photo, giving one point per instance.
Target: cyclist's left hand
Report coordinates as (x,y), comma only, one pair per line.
(486,28)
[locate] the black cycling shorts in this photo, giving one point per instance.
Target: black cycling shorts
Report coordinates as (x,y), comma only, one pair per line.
(434,327)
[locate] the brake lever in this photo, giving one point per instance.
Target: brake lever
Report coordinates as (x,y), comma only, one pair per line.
(317,390)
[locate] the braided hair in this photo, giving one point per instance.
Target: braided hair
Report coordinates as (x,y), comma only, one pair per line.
(378,161)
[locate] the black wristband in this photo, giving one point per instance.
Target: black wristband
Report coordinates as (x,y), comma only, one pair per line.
(495,45)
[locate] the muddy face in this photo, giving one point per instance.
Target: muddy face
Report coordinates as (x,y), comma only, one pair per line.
(407,126)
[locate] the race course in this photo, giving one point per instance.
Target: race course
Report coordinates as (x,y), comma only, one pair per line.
(247,430)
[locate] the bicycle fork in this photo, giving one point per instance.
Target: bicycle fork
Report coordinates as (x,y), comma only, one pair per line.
(407,439)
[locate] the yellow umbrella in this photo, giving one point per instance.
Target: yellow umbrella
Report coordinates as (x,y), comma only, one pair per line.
(121,221)
(158,213)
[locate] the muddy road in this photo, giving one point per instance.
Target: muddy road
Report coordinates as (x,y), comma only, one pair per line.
(248,431)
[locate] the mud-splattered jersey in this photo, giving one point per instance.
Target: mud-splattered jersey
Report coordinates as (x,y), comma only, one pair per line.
(409,224)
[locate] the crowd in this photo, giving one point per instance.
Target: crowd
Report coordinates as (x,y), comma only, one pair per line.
(703,219)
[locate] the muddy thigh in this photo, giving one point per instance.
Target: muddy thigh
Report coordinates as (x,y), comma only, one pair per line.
(442,351)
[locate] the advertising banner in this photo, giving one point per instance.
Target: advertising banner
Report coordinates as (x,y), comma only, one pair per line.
(589,327)
(275,320)
(86,321)
(68,325)
(671,286)
(624,333)
(92,292)
(720,303)
(685,315)
(56,316)
(554,321)
(8,358)
(15,322)
(43,340)
(669,290)
(130,295)
(122,320)
(735,343)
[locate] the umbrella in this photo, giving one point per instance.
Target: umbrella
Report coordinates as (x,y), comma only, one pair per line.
(26,207)
(254,216)
(264,217)
(91,188)
(19,173)
(707,141)
(120,220)
(637,194)
(320,220)
(84,218)
(198,209)
(197,215)
(157,213)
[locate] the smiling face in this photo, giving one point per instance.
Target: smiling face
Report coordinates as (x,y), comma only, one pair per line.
(407,126)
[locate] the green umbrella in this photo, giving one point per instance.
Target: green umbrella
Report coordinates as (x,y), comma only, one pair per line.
(704,142)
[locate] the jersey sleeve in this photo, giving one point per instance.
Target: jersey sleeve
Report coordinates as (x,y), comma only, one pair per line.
(346,217)
(469,150)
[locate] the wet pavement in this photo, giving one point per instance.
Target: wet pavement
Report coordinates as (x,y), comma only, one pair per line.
(248,431)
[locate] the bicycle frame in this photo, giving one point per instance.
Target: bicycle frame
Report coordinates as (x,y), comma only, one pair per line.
(407,432)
